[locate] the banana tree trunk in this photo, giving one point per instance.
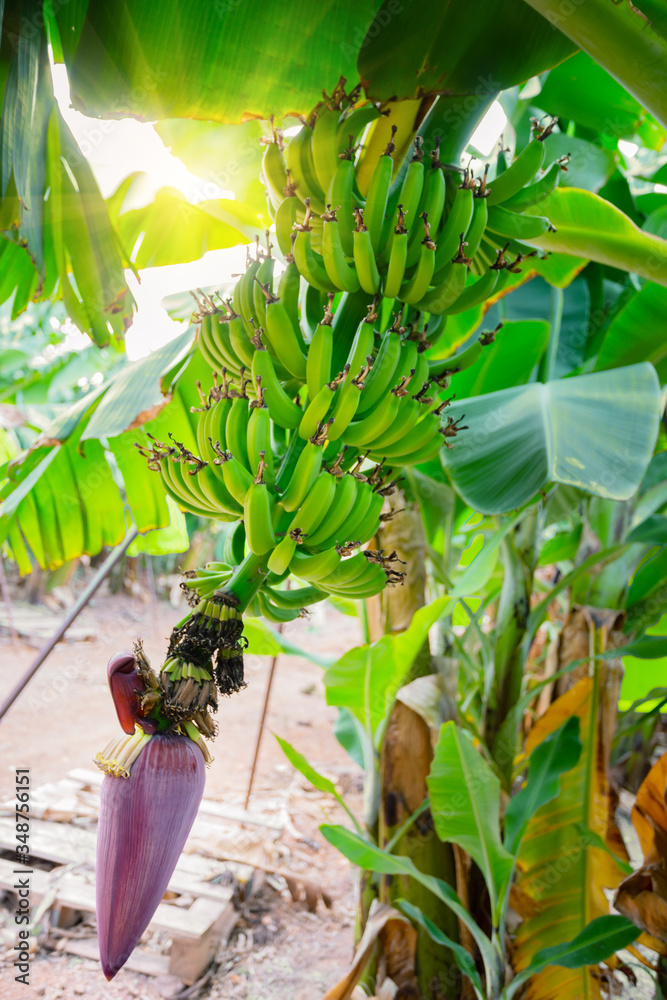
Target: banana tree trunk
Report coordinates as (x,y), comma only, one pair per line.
(404,764)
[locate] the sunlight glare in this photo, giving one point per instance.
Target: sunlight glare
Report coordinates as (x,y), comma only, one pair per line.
(489,130)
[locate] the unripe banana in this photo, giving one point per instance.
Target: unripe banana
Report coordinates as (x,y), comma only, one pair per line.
(299,162)
(318,360)
(313,567)
(303,477)
(258,517)
(286,219)
(280,334)
(273,169)
(342,274)
(340,195)
(236,430)
(325,145)
(414,288)
(282,410)
(259,440)
(521,171)
(315,507)
(378,192)
(310,263)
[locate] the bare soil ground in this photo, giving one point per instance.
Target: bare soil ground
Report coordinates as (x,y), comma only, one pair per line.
(279,949)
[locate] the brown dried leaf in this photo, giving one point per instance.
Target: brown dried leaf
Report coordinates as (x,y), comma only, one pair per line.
(649,814)
(642,898)
(379,916)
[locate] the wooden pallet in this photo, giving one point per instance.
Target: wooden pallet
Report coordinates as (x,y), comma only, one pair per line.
(196,925)
(195,930)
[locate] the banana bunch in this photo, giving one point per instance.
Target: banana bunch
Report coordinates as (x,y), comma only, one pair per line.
(422,239)
(323,387)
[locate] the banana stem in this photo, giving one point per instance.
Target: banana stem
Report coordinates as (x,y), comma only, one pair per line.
(246,580)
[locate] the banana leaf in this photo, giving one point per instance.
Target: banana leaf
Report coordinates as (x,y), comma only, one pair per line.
(232,61)
(628,40)
(561,871)
(591,227)
(596,432)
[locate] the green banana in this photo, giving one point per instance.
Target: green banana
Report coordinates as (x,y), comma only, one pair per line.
(310,263)
(515,226)
(410,195)
(285,220)
(273,169)
(421,434)
(531,195)
(414,288)
(263,283)
(362,433)
(432,203)
(349,571)
(519,173)
(452,282)
(217,492)
(371,582)
(235,476)
(341,274)
(480,217)
(236,430)
(472,295)
(456,222)
(282,338)
(317,410)
(282,555)
(369,525)
(282,410)
(353,123)
(289,289)
(381,376)
(342,505)
(314,508)
(398,256)
(345,408)
(378,192)
(298,598)
(407,416)
(318,359)
(459,362)
(325,145)
(299,164)
(259,439)
(274,614)
(364,256)
(340,194)
(258,517)
(303,477)
(313,567)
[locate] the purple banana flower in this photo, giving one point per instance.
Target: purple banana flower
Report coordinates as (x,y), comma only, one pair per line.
(147,808)
(126,687)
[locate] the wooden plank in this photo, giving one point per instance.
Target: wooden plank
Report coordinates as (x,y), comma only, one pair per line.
(139,961)
(66,844)
(208,806)
(188,961)
(186,923)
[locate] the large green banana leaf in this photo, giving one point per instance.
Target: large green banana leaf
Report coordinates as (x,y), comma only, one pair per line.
(596,432)
(628,39)
(170,230)
(64,497)
(638,332)
(57,238)
(229,61)
(465,802)
(591,227)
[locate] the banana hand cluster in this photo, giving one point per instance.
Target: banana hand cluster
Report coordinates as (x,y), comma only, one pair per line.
(323,385)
